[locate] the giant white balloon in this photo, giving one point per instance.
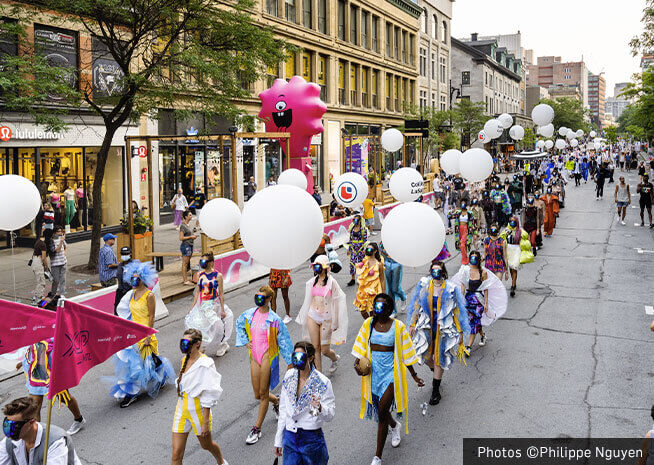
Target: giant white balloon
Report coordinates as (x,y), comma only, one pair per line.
(450,161)
(540,144)
(592,134)
(542,114)
(517,132)
(570,134)
(406,184)
(547,130)
(483,137)
(293,177)
(563,131)
(427,234)
(506,120)
(476,165)
(597,146)
(281,226)
(574,142)
(493,128)
(22,202)
(220,218)
(392,140)
(580,133)
(560,144)
(350,190)
(549,144)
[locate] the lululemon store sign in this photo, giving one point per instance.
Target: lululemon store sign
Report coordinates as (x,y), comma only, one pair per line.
(7,134)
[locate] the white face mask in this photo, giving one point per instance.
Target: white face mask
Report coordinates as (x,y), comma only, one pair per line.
(125,257)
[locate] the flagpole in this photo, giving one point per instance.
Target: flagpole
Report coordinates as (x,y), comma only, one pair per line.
(47,431)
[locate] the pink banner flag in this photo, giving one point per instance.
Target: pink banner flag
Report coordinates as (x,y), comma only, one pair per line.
(22,325)
(85,337)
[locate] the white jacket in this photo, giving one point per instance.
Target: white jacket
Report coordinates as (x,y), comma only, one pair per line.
(335,304)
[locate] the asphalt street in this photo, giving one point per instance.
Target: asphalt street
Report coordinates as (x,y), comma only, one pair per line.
(568,359)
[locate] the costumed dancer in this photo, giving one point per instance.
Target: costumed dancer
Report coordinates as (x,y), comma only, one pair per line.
(464,230)
(444,254)
(356,245)
(488,206)
(306,402)
(139,368)
(371,279)
(495,256)
(551,203)
(518,249)
(485,296)
(439,325)
(198,389)
(281,280)
(383,352)
(267,339)
(531,222)
(502,204)
(393,271)
(37,365)
(480,222)
(323,315)
(209,314)
(585,167)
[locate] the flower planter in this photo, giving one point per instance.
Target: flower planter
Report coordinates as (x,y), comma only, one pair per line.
(141,247)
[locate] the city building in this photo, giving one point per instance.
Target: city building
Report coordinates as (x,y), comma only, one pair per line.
(646,60)
(564,91)
(618,88)
(487,73)
(597,97)
(551,71)
(616,106)
(534,95)
(434,54)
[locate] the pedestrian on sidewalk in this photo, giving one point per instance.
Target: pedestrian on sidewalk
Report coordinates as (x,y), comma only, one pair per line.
(622,199)
(58,262)
(179,205)
(306,402)
(251,188)
(316,194)
(107,262)
(23,431)
(382,366)
(267,339)
(646,191)
(39,265)
(198,390)
(187,236)
(123,285)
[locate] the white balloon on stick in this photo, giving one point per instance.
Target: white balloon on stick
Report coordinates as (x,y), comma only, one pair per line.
(483,137)
(549,144)
(517,132)
(493,128)
(547,130)
(506,120)
(542,114)
(560,144)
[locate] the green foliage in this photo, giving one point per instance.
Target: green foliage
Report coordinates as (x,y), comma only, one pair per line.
(645,41)
(142,223)
(440,136)
(639,114)
(569,112)
(611,134)
(529,139)
(469,118)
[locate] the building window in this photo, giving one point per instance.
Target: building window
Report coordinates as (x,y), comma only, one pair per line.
(444,32)
(290,66)
(443,69)
(465,78)
(398,93)
(322,16)
(364,87)
(322,77)
(289,6)
(389,93)
(486,104)
(404,47)
(341,19)
(433,66)
(422,101)
(354,83)
(412,50)
(433,100)
(341,83)
(306,66)
(272,7)
(272,73)
(396,43)
(423,22)
(307,13)
(354,29)
(364,29)
(443,103)
(375,34)
(375,89)
(434,28)
(412,92)
(423,62)
(389,39)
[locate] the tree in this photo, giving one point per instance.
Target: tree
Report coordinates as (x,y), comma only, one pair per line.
(529,139)
(469,118)
(645,41)
(191,55)
(568,112)
(440,138)
(611,135)
(641,112)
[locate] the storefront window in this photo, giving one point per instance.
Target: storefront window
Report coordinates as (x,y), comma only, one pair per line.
(273,156)
(112,187)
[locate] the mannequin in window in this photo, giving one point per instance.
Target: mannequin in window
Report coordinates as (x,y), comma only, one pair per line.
(71,203)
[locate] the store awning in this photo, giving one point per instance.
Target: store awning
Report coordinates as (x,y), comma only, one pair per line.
(530,155)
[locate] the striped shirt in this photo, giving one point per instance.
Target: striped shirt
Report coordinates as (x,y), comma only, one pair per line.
(58,258)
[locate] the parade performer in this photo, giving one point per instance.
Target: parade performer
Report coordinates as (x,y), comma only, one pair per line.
(518,249)
(551,203)
(515,193)
(323,315)
(209,314)
(495,256)
(267,339)
(444,254)
(531,222)
(371,279)
(306,402)
(281,280)
(488,206)
(198,389)
(464,230)
(394,271)
(139,368)
(502,204)
(356,245)
(37,365)
(438,322)
(383,352)
(585,168)
(485,296)
(480,221)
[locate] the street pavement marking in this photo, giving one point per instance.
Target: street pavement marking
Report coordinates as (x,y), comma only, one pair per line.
(634,206)
(649,310)
(639,250)
(636,224)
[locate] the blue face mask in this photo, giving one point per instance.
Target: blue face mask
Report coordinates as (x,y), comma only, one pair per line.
(380,307)
(299,360)
(513,224)
(317,268)
(437,273)
(474,260)
(494,231)
(185,345)
(530,201)
(135,281)
(259,300)
(12,428)
(203,263)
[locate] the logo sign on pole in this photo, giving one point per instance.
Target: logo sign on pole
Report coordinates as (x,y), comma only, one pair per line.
(5,133)
(143,151)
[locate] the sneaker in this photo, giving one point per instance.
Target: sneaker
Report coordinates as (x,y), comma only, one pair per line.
(275,410)
(642,223)
(403,306)
(287,319)
(373,233)
(225,462)
(651,226)
(222,349)
(334,364)
(482,341)
(128,400)
(76,426)
(376,461)
(254,436)
(622,223)
(396,434)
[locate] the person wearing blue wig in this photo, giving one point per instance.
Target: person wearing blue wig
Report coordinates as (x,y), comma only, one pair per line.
(139,368)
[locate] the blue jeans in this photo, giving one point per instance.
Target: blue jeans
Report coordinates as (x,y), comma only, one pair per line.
(186,249)
(305,448)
